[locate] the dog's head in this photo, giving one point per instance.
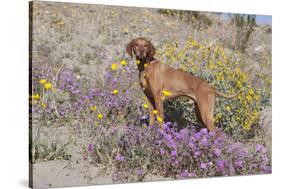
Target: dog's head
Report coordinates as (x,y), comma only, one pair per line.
(141,48)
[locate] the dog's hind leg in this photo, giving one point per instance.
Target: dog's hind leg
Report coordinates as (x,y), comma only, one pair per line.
(206,106)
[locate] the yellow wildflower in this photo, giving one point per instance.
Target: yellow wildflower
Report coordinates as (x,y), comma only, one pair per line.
(255,114)
(100,116)
(256,97)
(249,98)
(48,86)
(43,105)
(220,76)
(239,84)
(220,62)
(159,119)
(155,112)
(126,30)
(227,108)
(33,101)
(93,108)
(211,65)
(35,96)
(115,92)
(251,92)
(145,106)
(60,23)
(237,70)
(145,126)
(137,62)
(123,62)
(42,81)
(114,66)
(166,93)
(247,125)
(218,117)
(145,65)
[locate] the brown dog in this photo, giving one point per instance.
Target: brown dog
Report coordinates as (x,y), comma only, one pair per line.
(160,81)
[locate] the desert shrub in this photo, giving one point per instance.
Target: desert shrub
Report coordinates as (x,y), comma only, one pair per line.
(243,26)
(133,152)
(225,72)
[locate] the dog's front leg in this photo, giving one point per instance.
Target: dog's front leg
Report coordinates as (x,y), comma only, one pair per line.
(151,115)
(159,108)
(152,107)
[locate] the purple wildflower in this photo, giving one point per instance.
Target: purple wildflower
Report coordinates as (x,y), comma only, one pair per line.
(203,63)
(197,135)
(174,153)
(217,152)
(259,148)
(204,131)
(212,133)
(191,175)
(184,174)
(90,147)
(119,157)
(267,169)
(238,163)
(241,153)
(204,141)
(197,154)
(178,136)
(168,124)
(191,145)
(145,117)
(114,177)
(158,142)
(184,132)
(140,172)
(220,165)
(203,166)
(168,137)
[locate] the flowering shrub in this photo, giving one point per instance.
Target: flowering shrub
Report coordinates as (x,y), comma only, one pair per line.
(223,71)
(69,95)
(134,152)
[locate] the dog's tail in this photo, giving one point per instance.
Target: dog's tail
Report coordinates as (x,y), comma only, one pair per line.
(225,95)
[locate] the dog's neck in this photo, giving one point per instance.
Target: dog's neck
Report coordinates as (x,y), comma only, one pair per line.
(144,62)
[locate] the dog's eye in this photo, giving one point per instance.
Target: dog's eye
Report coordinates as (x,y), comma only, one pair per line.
(136,45)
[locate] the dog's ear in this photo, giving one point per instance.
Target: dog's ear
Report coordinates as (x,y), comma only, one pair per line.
(152,50)
(129,48)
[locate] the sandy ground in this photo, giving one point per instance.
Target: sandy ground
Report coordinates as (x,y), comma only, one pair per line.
(59,173)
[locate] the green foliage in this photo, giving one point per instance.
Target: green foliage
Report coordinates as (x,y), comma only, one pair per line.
(42,151)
